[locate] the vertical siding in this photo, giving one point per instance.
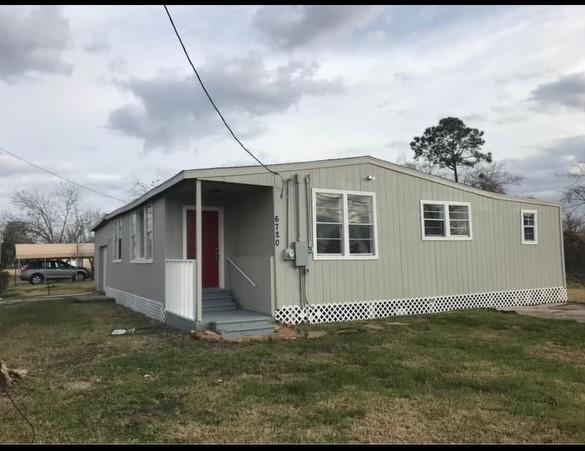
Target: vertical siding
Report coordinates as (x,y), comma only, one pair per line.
(143,279)
(249,242)
(494,260)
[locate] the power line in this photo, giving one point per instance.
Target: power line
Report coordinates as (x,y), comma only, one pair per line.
(59,176)
(22,415)
(213,103)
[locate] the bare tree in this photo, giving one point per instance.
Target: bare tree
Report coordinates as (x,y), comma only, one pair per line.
(491,177)
(574,245)
(54,216)
(574,194)
(80,229)
(139,188)
(425,166)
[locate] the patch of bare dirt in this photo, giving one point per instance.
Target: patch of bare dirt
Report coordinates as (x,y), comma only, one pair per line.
(281,333)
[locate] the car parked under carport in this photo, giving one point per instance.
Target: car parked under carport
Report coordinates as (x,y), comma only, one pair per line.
(37,272)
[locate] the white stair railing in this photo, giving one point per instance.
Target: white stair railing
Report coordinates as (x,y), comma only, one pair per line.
(241,272)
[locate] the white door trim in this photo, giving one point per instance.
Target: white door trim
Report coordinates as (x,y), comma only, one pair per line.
(220,238)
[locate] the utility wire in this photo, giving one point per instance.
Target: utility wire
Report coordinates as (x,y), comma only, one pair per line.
(59,176)
(21,413)
(213,103)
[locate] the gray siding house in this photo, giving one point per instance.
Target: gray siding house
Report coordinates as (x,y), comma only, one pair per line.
(331,240)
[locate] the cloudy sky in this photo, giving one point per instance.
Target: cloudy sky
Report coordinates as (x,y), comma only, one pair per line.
(104,96)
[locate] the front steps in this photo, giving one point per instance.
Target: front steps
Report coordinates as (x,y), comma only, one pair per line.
(222,315)
(244,326)
(217,300)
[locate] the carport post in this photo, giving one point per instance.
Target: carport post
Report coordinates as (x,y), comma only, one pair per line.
(198,253)
(45,275)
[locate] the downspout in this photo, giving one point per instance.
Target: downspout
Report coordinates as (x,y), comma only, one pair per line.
(287,213)
(298,206)
(564,270)
(309,209)
(301,270)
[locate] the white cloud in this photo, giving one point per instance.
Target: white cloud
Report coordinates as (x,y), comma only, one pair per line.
(32,41)
(172,110)
(384,75)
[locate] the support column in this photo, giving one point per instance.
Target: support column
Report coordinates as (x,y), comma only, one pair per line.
(199,253)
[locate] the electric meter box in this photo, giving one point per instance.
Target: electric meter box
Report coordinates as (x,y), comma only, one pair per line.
(301,253)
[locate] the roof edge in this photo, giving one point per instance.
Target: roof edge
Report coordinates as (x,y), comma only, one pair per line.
(146,196)
(187,174)
(256,169)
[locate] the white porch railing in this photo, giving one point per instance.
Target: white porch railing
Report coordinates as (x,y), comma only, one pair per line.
(180,284)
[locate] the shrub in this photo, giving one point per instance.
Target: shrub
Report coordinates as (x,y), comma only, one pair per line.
(4,279)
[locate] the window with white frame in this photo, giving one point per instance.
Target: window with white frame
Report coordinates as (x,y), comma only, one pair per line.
(142,235)
(529,227)
(445,220)
(344,224)
(118,231)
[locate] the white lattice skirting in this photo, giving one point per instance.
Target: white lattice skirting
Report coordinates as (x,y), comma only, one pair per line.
(362,310)
(148,307)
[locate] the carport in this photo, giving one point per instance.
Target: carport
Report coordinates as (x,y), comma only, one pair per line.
(61,251)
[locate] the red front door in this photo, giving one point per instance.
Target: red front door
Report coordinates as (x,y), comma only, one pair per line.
(210,241)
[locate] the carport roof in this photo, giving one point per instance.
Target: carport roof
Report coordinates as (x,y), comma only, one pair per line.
(56,250)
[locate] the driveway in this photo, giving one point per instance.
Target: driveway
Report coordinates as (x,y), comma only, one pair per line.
(563,310)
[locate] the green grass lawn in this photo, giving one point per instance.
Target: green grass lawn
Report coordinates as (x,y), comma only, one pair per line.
(471,376)
(25,290)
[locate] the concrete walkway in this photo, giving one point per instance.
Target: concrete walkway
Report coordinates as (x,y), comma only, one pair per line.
(573,311)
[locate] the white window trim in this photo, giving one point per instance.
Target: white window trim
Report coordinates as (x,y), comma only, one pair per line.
(115,236)
(448,236)
(522,226)
(140,260)
(346,254)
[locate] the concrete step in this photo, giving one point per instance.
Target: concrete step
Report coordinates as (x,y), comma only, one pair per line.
(250,332)
(215,292)
(242,324)
(222,303)
(207,308)
(219,299)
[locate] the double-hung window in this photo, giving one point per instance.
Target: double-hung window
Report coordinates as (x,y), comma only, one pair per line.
(529,227)
(344,225)
(117,240)
(142,235)
(445,220)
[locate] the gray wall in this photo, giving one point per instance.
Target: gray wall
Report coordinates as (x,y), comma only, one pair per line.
(408,266)
(247,237)
(494,260)
(249,243)
(142,279)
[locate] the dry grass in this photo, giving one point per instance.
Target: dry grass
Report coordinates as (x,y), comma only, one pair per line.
(472,376)
(576,294)
(564,354)
(25,290)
